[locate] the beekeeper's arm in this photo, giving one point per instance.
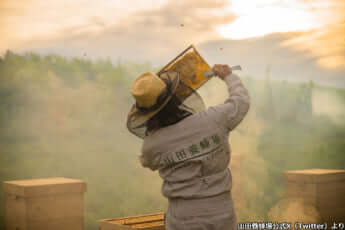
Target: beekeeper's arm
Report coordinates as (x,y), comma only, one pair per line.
(232,111)
(146,163)
(149,158)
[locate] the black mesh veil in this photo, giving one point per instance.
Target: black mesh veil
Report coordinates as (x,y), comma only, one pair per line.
(193,103)
(188,100)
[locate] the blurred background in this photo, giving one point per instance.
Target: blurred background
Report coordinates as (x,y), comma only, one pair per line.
(66,68)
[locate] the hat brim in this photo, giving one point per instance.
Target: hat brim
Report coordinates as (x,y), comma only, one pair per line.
(140,118)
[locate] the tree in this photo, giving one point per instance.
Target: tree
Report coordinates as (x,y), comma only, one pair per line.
(267,109)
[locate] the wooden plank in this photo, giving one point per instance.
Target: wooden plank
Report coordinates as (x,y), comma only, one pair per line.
(138,219)
(153,225)
(104,225)
(143,219)
(314,175)
(148,222)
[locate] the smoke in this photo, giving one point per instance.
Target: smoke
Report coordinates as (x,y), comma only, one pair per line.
(67,119)
(328,103)
(293,210)
(258,187)
(213,92)
(62,124)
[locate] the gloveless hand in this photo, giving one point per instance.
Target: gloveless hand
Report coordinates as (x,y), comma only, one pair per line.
(221,70)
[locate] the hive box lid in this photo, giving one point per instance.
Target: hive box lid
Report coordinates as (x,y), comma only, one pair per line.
(314,175)
(46,186)
(145,222)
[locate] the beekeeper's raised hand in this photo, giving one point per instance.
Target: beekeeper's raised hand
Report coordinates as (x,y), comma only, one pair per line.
(221,70)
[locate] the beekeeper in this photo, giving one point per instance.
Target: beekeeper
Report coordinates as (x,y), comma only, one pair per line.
(189,146)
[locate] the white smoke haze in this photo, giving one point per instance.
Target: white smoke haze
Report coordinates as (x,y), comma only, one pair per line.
(80,132)
(213,92)
(328,103)
(250,170)
(294,210)
(72,127)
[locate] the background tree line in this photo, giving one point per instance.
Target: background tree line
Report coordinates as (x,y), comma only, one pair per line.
(65,117)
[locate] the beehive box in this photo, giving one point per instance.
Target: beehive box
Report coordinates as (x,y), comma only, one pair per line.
(322,188)
(52,203)
(147,222)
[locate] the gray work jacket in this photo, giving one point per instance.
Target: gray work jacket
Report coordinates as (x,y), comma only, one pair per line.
(193,155)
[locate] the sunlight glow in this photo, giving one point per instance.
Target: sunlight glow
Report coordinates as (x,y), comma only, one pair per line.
(260,17)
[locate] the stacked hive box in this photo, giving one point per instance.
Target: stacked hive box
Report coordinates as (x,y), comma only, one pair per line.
(322,188)
(54,203)
(146,222)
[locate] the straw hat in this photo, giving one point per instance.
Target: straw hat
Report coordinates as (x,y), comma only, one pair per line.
(151,93)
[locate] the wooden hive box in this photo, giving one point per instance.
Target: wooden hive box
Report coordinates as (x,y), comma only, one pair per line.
(322,188)
(147,222)
(52,203)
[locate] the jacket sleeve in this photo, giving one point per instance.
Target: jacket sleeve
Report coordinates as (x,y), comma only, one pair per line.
(149,159)
(232,111)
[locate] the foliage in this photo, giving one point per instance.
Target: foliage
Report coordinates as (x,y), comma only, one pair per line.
(66,117)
